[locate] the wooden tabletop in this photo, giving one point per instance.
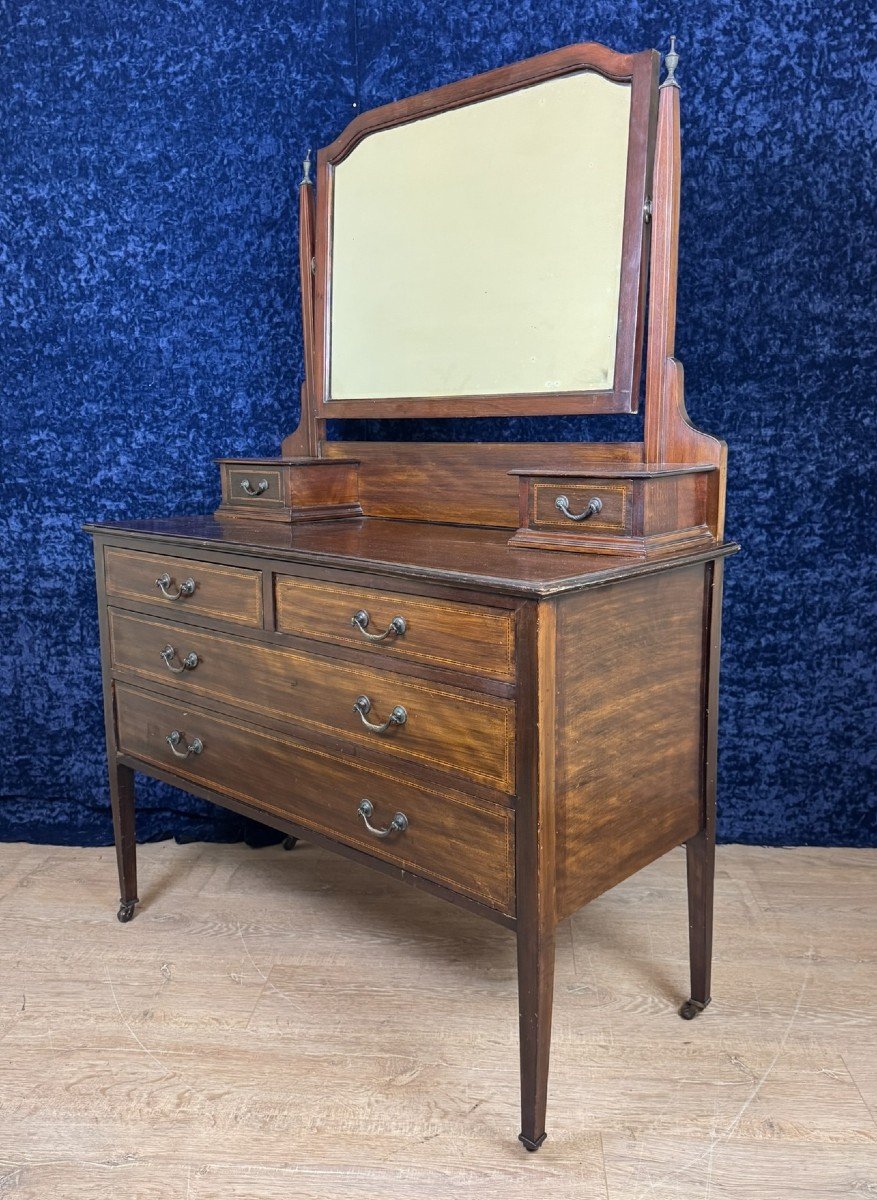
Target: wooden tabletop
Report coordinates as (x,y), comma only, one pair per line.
(459,555)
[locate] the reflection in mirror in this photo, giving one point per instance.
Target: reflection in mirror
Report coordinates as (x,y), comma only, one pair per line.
(478,251)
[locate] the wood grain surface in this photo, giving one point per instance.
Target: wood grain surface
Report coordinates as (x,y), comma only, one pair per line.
(297,489)
(462,483)
(464,844)
(222,592)
(629,727)
(470,637)
(292,1025)
(480,559)
(615,499)
(445,728)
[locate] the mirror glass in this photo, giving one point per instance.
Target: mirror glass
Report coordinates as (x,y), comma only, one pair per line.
(478,251)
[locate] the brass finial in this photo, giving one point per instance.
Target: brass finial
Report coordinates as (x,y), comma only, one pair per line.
(671,62)
(306,167)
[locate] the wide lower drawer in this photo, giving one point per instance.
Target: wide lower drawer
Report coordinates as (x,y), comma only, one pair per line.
(453,729)
(206,589)
(441,633)
(465,845)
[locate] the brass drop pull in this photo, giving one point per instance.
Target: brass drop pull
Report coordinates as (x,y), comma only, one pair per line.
(173,740)
(594,506)
(163,583)
(189,663)
(261,486)
(398,824)
(363,706)
(395,629)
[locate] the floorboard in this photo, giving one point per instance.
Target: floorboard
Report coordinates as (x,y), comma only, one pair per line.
(288,1024)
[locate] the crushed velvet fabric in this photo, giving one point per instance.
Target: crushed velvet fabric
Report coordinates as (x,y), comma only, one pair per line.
(149,155)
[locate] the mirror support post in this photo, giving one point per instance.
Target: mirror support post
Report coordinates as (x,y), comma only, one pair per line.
(304,440)
(669,435)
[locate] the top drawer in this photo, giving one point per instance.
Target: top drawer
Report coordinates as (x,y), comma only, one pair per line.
(185,585)
(441,633)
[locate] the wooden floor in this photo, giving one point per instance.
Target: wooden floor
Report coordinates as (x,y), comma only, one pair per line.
(290,1025)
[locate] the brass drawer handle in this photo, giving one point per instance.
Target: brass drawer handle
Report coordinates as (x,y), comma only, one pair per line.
(189,663)
(395,629)
(194,747)
(398,824)
(397,717)
(261,486)
(594,506)
(185,589)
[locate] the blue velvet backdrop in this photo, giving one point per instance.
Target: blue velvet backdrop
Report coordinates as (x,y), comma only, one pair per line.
(150,307)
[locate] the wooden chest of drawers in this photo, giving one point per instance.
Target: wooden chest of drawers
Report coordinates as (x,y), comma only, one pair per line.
(485,738)
(515,745)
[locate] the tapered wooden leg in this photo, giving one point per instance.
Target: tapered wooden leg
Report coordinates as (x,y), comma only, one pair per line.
(535,998)
(534,865)
(701,860)
(701,849)
(122,801)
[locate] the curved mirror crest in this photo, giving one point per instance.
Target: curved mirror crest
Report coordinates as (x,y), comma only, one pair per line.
(478,251)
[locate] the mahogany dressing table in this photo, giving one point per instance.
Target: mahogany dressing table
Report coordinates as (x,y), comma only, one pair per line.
(490,670)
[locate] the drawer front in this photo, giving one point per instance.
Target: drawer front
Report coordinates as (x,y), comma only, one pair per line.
(615,515)
(457,842)
(455,730)
(252,487)
(441,633)
(207,589)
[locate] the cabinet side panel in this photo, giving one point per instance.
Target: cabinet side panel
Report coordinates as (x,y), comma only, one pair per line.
(629,728)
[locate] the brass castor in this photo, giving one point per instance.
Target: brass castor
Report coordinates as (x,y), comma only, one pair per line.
(691,1008)
(290,843)
(531,1146)
(126,910)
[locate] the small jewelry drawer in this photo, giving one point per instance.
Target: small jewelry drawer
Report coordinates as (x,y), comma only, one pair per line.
(185,585)
(568,504)
(445,836)
(255,485)
(289,489)
(440,633)
(635,509)
(393,715)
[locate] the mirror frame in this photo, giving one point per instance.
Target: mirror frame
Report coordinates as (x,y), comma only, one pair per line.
(641,72)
